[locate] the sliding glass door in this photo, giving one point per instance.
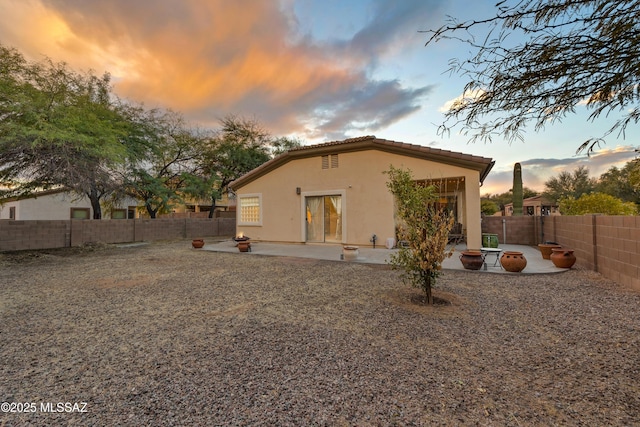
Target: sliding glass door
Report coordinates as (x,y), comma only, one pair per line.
(324,218)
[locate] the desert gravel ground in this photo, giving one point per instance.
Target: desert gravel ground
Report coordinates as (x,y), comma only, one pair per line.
(166,335)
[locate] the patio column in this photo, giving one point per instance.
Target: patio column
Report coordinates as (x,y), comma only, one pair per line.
(473,211)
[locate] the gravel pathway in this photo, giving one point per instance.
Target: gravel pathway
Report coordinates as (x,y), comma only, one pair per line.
(167,335)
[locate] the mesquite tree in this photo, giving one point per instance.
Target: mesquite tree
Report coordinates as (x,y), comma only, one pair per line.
(239,146)
(165,172)
(537,61)
(570,184)
(58,129)
(422,227)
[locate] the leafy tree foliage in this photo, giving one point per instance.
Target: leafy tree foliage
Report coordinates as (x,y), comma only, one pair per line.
(634,177)
(570,184)
(488,207)
(575,51)
(596,203)
(242,146)
(58,128)
(505,198)
(621,183)
(283,144)
(63,129)
(166,171)
(423,227)
(239,146)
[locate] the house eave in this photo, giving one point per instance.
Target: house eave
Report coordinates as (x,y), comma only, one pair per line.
(481,164)
(34,195)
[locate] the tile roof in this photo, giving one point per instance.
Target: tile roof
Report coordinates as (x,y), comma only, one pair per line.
(370,142)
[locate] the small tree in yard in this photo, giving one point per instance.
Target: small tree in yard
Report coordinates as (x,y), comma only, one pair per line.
(597,203)
(423,227)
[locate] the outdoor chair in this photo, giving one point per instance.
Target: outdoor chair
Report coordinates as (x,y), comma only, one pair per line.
(456,235)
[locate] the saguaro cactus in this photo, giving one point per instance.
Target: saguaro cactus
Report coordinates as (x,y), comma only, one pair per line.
(517,190)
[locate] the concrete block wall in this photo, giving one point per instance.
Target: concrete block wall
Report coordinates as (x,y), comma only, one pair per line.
(516,230)
(200,227)
(105,231)
(226,226)
(618,248)
(23,235)
(574,232)
(609,245)
(159,229)
(20,235)
(183,215)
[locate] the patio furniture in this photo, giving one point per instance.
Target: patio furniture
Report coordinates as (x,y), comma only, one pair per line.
(456,235)
(492,251)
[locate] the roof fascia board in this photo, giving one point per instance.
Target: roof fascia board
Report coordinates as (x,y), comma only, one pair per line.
(480,164)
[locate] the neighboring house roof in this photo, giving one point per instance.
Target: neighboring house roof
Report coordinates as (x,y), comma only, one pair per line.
(467,161)
(35,195)
(535,199)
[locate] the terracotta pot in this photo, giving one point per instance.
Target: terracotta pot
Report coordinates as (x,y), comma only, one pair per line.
(563,258)
(545,249)
(513,261)
(350,253)
(472,260)
(244,246)
(197,243)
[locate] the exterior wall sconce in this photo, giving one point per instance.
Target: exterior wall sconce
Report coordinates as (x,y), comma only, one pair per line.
(298,190)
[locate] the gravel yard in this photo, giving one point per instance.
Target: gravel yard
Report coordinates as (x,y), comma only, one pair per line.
(164,334)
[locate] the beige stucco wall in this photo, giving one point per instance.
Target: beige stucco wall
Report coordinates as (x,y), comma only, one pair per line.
(56,206)
(45,207)
(367,203)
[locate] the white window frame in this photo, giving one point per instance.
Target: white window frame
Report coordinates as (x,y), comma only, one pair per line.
(303,210)
(260,209)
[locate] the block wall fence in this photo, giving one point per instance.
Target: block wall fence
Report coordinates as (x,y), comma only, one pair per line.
(609,245)
(21,235)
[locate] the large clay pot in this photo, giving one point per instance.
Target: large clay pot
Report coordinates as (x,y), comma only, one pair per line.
(513,261)
(350,253)
(545,249)
(563,258)
(244,246)
(472,260)
(197,243)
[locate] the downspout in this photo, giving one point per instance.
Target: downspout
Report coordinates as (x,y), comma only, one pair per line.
(504,231)
(595,243)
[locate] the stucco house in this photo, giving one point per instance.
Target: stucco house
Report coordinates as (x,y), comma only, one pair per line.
(336,192)
(535,206)
(60,204)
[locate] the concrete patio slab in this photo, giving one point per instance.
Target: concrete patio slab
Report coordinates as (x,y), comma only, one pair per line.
(332,252)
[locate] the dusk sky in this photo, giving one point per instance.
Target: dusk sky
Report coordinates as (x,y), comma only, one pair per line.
(319,70)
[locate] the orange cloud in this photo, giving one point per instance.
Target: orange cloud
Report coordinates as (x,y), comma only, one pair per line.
(205,58)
